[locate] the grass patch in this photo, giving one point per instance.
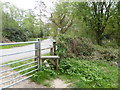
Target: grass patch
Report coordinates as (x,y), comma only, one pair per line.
(34,39)
(12,46)
(21,68)
(47,54)
(19,45)
(44,77)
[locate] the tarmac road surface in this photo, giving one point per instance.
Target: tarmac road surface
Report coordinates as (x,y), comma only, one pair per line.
(44,44)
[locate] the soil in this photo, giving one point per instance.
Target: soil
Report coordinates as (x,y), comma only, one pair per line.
(57,83)
(24,84)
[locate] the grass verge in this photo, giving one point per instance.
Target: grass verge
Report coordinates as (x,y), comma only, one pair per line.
(12,46)
(18,45)
(21,68)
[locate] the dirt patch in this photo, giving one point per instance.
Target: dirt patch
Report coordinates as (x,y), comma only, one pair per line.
(28,84)
(57,83)
(24,84)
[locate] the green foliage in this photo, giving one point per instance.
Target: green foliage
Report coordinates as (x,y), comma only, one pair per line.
(100,17)
(89,74)
(109,54)
(11,46)
(14,34)
(45,74)
(22,24)
(80,73)
(83,48)
(61,19)
(74,47)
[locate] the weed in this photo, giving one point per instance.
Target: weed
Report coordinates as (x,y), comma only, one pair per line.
(42,76)
(89,74)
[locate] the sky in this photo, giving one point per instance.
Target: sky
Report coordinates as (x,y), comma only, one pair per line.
(28,4)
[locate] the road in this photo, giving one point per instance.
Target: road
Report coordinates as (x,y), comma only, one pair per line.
(44,44)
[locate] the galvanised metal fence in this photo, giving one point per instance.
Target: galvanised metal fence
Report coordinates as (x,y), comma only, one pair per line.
(36,63)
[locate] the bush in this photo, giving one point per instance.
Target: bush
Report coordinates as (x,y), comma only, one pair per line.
(14,34)
(74,47)
(109,54)
(83,48)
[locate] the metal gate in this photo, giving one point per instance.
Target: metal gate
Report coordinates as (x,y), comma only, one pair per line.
(34,65)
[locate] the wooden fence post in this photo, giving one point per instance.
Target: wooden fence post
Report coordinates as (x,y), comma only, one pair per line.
(54,46)
(57,61)
(51,50)
(38,53)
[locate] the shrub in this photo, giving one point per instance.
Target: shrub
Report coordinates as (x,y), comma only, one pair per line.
(74,47)
(14,34)
(109,54)
(83,48)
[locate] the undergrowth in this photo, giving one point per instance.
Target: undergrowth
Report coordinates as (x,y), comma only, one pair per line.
(83,48)
(81,74)
(89,74)
(44,76)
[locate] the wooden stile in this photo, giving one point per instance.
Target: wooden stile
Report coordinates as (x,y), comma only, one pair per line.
(53,58)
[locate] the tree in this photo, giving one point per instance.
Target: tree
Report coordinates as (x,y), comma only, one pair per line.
(28,23)
(62,18)
(11,22)
(96,15)
(101,14)
(40,8)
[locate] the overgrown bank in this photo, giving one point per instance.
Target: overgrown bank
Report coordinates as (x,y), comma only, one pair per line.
(84,48)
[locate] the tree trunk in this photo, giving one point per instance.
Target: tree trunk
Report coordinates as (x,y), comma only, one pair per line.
(98,38)
(99,41)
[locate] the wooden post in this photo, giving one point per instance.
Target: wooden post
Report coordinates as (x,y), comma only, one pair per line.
(51,50)
(54,46)
(38,53)
(57,61)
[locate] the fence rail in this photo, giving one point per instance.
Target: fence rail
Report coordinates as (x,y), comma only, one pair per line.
(18,77)
(36,64)
(17,53)
(17,62)
(3,44)
(33,63)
